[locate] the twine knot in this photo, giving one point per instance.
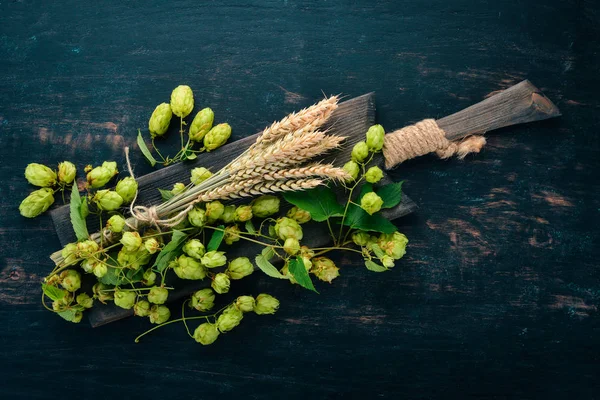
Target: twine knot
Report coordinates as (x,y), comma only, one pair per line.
(426,137)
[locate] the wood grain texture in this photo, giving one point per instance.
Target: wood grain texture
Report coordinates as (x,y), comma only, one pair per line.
(498,294)
(518,104)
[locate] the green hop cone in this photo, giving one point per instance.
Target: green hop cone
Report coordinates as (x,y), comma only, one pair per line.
(374,175)
(182,101)
(158,295)
(131,241)
(110,166)
(99,270)
(360,152)
(228,215)
(299,215)
(265,206)
(178,188)
(375,137)
(243,213)
(394,244)
(103,292)
(141,308)
(40,175)
(287,228)
(194,248)
(221,283)
(160,119)
(84,300)
(199,175)
(66,172)
(159,314)
(217,137)
(108,200)
(197,217)
(266,304)
(229,319)
(62,303)
(101,175)
(325,269)
(291,246)
(69,253)
(214,210)
(232,234)
(201,124)
(127,189)
(371,203)
(387,261)
(360,238)
(214,259)
(125,298)
(77,317)
(70,280)
(88,264)
(353,169)
(188,268)
(239,268)
(116,223)
(149,277)
(87,248)
(36,203)
(151,245)
(206,333)
(203,300)
(245,303)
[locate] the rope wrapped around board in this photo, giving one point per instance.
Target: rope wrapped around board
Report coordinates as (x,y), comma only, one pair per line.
(426,137)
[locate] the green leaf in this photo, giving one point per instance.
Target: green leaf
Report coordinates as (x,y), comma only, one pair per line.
(112,273)
(250,227)
(77,219)
(142,145)
(377,250)
(300,274)
(364,189)
(165,194)
(357,218)
(391,194)
(53,292)
(69,315)
(321,202)
(170,251)
(373,266)
(262,261)
(135,276)
(216,239)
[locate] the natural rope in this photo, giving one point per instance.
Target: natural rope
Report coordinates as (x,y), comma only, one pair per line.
(150,215)
(426,137)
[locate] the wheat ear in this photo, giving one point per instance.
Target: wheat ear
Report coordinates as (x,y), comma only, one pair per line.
(312,117)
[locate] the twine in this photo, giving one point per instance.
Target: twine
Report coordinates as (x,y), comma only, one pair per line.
(150,215)
(426,137)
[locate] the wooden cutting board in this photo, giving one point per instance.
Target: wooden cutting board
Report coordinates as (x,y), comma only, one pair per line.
(351,119)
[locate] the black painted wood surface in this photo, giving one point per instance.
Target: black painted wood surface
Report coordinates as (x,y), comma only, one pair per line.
(498,295)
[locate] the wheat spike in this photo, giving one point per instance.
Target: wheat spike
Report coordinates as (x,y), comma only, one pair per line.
(312,117)
(270,173)
(255,187)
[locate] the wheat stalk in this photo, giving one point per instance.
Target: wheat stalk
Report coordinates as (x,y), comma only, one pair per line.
(270,173)
(312,117)
(256,187)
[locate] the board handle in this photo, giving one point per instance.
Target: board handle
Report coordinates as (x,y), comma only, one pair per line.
(518,104)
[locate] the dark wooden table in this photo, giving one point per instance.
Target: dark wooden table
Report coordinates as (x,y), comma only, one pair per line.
(498,295)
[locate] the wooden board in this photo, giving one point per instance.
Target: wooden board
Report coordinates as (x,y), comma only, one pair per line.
(351,119)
